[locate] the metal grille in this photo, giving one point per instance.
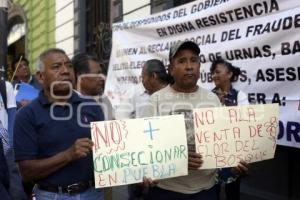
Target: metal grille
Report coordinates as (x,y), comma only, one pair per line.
(161,5)
(98,30)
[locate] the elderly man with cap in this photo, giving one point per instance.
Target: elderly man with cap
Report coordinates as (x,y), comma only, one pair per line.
(182,97)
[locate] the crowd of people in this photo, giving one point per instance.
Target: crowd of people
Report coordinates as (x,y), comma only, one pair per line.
(46,144)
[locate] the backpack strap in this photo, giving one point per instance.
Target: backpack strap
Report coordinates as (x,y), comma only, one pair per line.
(3,93)
(231,97)
(235,94)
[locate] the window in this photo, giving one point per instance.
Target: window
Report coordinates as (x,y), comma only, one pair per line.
(161,5)
(117,11)
(180,2)
(98,29)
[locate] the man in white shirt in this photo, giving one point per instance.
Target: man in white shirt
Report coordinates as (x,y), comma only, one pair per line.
(7,116)
(154,78)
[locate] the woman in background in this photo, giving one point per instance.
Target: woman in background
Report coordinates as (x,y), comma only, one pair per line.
(223,74)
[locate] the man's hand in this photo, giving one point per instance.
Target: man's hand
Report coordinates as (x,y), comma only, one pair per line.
(80,149)
(194,160)
(241,169)
(148,182)
(41,168)
(24,102)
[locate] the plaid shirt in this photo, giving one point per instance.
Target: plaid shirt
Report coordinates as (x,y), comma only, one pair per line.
(4,137)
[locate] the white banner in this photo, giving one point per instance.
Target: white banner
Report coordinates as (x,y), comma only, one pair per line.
(260,37)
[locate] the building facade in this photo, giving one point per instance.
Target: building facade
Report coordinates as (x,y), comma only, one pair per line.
(34,26)
(35,21)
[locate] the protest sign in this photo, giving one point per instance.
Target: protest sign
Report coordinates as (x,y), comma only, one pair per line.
(127,150)
(226,135)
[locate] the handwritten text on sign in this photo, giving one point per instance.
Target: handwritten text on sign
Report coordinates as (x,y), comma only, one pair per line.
(127,150)
(225,135)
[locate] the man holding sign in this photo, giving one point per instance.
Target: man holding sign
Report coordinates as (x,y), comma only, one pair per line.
(52,134)
(181,98)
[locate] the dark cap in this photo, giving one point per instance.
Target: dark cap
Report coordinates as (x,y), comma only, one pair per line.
(183,45)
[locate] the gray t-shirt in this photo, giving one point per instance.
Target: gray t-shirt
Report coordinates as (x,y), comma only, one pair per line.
(167,102)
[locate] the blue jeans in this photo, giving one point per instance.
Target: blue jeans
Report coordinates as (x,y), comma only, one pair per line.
(90,194)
